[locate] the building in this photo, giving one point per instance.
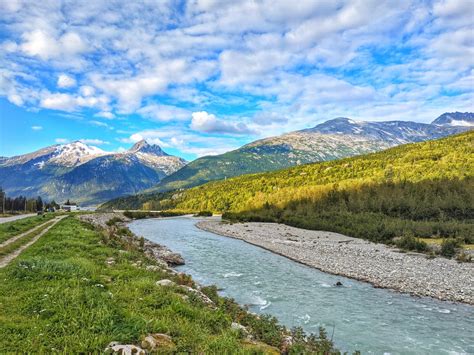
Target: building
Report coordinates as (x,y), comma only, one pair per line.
(69,208)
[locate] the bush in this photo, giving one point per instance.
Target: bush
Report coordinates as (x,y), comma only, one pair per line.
(114,221)
(203,214)
(449,247)
(409,242)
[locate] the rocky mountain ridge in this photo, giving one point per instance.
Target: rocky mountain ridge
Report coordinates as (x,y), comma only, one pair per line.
(334,139)
(86,173)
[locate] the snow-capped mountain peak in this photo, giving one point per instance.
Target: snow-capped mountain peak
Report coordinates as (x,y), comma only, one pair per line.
(460,119)
(75,153)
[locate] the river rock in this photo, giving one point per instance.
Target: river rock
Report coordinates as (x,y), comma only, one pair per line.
(286,344)
(158,342)
(160,252)
(239,327)
(200,295)
(123,349)
(165,283)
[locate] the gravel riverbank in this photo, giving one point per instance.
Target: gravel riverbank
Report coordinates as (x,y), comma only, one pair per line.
(377,264)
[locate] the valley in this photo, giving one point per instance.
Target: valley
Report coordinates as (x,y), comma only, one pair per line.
(248,177)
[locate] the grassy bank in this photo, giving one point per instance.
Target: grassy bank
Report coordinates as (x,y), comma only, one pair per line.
(77,289)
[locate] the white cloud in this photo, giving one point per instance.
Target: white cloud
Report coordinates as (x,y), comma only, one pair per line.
(46,46)
(208,123)
(277,64)
(38,43)
(86,90)
(61,140)
(100,124)
(105,114)
(66,81)
(36,128)
(164,113)
(68,102)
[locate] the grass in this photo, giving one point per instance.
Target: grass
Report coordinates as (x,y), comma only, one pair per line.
(63,294)
(10,229)
(7,249)
(439,241)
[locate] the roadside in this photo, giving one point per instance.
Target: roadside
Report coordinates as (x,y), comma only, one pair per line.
(15,218)
(378,264)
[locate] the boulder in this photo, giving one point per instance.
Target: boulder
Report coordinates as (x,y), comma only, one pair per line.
(165,282)
(200,295)
(159,342)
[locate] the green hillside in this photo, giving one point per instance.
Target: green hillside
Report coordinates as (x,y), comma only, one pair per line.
(425,189)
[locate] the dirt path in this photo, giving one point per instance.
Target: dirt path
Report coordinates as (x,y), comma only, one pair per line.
(16,237)
(8,258)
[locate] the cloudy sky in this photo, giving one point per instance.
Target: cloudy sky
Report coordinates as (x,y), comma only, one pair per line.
(204,77)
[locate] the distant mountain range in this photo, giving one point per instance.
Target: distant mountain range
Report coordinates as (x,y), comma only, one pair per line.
(86,174)
(90,175)
(333,139)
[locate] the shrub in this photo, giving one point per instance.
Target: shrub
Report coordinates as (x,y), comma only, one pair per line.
(203,214)
(409,242)
(449,247)
(114,221)
(464,257)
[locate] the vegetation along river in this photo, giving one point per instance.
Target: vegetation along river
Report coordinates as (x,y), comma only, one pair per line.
(359,316)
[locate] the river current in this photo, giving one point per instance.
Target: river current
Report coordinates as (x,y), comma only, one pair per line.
(357,315)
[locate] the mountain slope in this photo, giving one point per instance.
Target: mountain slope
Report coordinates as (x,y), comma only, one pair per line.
(421,190)
(447,158)
(86,174)
(455,119)
(334,139)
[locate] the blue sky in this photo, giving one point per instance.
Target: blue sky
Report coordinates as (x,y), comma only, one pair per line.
(204,77)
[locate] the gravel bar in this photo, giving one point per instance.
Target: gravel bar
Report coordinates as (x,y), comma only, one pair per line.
(378,264)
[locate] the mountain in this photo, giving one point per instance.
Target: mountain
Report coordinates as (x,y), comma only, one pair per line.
(412,179)
(455,119)
(85,173)
(334,139)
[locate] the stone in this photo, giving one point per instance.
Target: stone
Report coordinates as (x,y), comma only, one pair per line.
(239,327)
(165,282)
(286,344)
(123,349)
(200,295)
(158,341)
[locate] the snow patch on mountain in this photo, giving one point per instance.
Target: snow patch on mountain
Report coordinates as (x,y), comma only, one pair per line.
(73,154)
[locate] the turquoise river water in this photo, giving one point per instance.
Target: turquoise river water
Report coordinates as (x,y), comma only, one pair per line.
(359,316)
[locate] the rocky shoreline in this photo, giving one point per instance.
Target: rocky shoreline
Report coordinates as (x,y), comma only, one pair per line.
(153,250)
(378,264)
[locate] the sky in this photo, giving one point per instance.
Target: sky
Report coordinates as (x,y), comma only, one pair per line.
(203,77)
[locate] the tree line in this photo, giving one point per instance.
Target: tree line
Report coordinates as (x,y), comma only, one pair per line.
(23,204)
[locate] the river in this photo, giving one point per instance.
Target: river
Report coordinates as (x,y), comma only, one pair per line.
(357,315)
